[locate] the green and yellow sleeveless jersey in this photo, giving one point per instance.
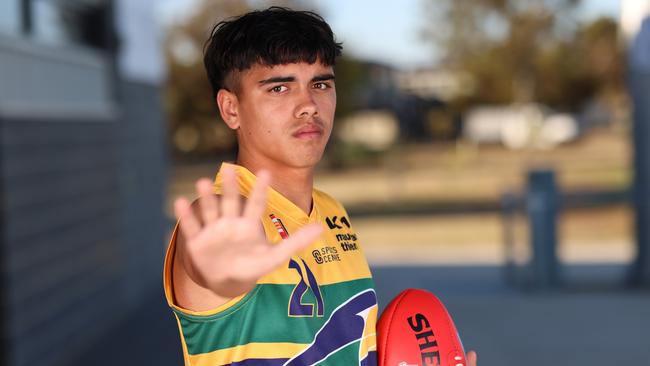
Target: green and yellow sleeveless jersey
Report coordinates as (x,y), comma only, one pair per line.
(319,308)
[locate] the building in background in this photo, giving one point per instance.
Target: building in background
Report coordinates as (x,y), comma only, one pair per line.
(82,166)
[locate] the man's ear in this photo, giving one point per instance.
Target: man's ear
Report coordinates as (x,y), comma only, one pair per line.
(228,107)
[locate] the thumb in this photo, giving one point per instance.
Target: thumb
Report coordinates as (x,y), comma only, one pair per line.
(282,251)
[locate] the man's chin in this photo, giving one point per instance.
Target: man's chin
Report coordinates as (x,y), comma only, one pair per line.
(307,160)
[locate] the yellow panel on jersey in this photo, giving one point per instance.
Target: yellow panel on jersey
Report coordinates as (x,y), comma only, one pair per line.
(318,308)
(254,351)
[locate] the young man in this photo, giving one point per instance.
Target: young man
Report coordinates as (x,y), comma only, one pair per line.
(276,277)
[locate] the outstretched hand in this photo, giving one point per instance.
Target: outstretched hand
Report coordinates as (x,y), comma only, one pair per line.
(225,249)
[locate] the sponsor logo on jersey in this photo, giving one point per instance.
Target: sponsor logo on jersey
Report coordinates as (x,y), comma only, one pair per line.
(333,222)
(279,226)
(326,254)
(347,241)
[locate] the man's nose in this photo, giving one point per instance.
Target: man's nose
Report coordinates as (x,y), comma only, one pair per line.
(307,106)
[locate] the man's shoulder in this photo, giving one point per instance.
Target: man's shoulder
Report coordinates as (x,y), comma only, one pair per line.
(324,199)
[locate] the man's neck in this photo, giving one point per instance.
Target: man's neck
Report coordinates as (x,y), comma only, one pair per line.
(296,184)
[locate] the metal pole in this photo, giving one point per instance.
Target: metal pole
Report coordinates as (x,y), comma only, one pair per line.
(639,84)
(541,205)
(26,17)
(640,88)
(508,209)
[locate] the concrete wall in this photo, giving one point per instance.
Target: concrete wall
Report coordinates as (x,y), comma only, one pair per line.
(81,195)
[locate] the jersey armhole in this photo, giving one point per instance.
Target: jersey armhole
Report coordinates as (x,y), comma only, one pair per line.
(222,310)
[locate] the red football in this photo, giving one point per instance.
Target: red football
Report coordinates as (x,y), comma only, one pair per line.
(416,329)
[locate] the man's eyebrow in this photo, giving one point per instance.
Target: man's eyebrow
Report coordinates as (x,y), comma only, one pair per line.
(288,79)
(323,77)
(277,79)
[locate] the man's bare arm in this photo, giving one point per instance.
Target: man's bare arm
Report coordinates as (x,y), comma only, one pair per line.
(221,250)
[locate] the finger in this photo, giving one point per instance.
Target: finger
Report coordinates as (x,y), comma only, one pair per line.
(472,358)
(188,223)
(282,251)
(208,202)
(230,199)
(257,201)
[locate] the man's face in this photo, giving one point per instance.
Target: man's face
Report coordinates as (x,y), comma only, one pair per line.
(286,113)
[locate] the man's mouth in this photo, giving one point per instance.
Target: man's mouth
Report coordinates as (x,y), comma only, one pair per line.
(308,132)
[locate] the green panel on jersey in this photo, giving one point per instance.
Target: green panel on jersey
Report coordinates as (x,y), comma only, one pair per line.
(265,318)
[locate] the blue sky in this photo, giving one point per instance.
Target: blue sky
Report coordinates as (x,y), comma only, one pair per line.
(383,30)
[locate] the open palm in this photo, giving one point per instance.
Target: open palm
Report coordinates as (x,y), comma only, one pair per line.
(225,249)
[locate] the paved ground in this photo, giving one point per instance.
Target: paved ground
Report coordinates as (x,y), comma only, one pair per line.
(591,320)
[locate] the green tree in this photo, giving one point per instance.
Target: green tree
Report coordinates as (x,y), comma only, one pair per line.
(522,51)
(589,65)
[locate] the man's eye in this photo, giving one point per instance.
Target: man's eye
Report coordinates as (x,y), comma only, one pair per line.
(321,86)
(278,89)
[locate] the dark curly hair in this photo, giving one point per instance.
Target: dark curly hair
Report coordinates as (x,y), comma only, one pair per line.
(269,37)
